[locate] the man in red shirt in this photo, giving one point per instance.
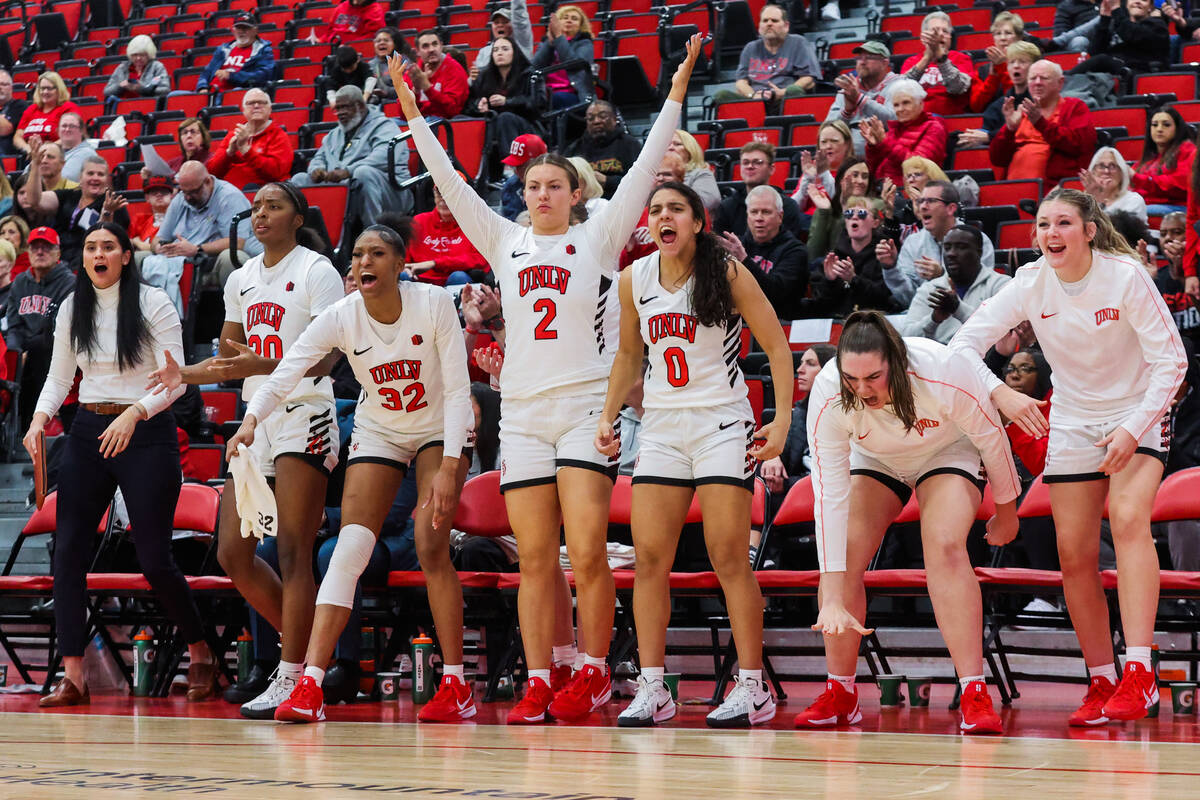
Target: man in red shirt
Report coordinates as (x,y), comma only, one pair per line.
(351,20)
(440,252)
(256,151)
(945,74)
(440,83)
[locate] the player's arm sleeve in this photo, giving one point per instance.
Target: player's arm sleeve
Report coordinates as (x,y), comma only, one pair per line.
(62,364)
(829,442)
(456,382)
(1162,349)
(485,228)
(167,333)
(994,318)
(968,400)
(314,343)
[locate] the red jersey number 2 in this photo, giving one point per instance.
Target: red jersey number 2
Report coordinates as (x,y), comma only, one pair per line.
(543,330)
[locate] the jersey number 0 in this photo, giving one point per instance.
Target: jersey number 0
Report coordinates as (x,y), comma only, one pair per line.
(677,368)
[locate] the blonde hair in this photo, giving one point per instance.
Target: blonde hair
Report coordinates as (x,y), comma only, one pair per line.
(1008,17)
(872,203)
(930,168)
(695,154)
(584,25)
(64,94)
(587,179)
(7,251)
(1024,49)
(839,126)
(1106,240)
(143,45)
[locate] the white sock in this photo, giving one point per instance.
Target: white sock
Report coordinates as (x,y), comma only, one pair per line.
(289,670)
(564,654)
(652,674)
(455,670)
(750,674)
(579,661)
(1139,654)
(316,673)
(963,683)
(599,663)
(1108,671)
(541,674)
(847,681)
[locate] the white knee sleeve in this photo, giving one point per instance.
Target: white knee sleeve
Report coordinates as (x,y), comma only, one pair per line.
(350,557)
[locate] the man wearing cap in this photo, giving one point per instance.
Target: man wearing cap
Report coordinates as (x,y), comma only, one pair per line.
(609,150)
(246,61)
(776,65)
(512,23)
(159,190)
(512,195)
(75,149)
(866,92)
(32,308)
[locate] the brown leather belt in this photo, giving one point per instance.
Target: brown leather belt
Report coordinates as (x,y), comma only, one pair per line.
(106,409)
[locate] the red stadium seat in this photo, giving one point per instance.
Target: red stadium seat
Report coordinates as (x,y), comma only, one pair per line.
(1036,503)
(754,390)
(1015,234)
(1180,84)
(740,136)
(1131,118)
(331,201)
(481,510)
(805,134)
(753,111)
(972,158)
(1178,497)
(798,505)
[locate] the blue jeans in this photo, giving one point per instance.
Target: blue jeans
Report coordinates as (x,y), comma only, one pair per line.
(1162,209)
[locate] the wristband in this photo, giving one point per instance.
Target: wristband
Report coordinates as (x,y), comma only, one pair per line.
(472,331)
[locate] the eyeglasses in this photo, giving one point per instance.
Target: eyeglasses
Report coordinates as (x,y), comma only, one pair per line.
(753,162)
(924,201)
(1105,166)
(855,213)
(915,176)
(1024,369)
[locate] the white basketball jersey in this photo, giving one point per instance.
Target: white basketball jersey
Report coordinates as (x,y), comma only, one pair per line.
(275,304)
(690,365)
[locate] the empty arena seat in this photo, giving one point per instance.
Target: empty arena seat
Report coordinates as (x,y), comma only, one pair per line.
(481,510)
(1178,497)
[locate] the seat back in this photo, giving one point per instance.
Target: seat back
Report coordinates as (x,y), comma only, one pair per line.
(481,510)
(799,505)
(198,508)
(1036,503)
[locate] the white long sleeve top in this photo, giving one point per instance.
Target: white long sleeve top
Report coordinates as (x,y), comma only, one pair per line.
(103,380)
(1114,348)
(950,401)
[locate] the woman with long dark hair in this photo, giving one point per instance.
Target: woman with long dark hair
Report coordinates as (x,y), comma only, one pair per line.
(111,329)
(1161,176)
(890,416)
(502,88)
(269,302)
(852,179)
(685,303)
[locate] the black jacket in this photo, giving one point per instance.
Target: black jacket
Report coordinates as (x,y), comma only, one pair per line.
(612,154)
(866,291)
(1138,44)
(33,306)
(1070,14)
(993,115)
(731,214)
(781,268)
(72,224)
(517,99)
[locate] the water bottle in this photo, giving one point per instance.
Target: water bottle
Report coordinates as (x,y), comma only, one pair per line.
(1152,711)
(367,683)
(245,656)
(424,683)
(216,347)
(143,657)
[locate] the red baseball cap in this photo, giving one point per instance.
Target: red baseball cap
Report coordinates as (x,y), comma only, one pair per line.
(44,234)
(159,182)
(524,148)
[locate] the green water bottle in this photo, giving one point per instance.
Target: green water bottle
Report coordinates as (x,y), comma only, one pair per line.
(424,683)
(245,656)
(143,658)
(1152,711)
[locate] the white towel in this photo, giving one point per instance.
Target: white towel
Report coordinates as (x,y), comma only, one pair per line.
(255,500)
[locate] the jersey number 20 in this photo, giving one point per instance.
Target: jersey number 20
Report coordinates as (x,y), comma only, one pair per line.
(677,368)
(394,400)
(266,346)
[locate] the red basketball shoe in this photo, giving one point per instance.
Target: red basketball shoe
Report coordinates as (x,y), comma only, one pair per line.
(306,703)
(978,714)
(834,706)
(1137,691)
(453,702)
(590,689)
(1091,713)
(532,708)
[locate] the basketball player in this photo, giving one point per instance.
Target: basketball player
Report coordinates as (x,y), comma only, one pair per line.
(684,305)
(889,416)
(1118,362)
(555,279)
(269,301)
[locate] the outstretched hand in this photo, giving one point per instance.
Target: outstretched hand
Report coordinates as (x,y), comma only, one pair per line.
(683,74)
(398,69)
(167,377)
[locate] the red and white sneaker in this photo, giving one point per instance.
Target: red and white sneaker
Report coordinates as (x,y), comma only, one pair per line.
(590,689)
(560,677)
(532,708)
(1091,713)
(1137,691)
(305,704)
(834,706)
(978,714)
(453,702)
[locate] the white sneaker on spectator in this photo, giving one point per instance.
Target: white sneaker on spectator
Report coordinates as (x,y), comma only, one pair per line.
(652,704)
(831,12)
(263,706)
(749,703)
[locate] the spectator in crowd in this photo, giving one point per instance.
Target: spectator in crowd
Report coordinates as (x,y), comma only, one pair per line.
(1074,22)
(1161,176)
(8,256)
(914,132)
(1047,136)
(918,172)
(11,109)
(851,277)
(50,167)
(22,206)
(606,146)
(141,75)
(1021,56)
(1127,35)
(40,118)
(568,38)
(512,23)
(440,83)
(698,175)
(197,228)
(74,211)
(356,153)
(32,307)
(75,149)
(1170,280)
(144,226)
(195,143)
(792,464)
(774,66)
(773,255)
(854,179)
(945,74)
(502,88)
(15,230)
(512,194)
(920,258)
(439,252)
(591,192)
(756,161)
(1007,30)
(387,41)
(942,304)
(1028,373)
(835,144)
(865,93)
(246,61)
(347,69)
(6,195)
(256,151)
(351,20)
(1107,180)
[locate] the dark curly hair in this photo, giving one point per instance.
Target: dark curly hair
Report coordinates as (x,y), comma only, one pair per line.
(712,299)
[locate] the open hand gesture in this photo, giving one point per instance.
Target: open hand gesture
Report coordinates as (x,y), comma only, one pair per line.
(683,74)
(398,67)
(817,196)
(1012,114)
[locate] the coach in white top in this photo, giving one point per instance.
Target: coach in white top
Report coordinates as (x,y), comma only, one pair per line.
(111,329)
(1118,362)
